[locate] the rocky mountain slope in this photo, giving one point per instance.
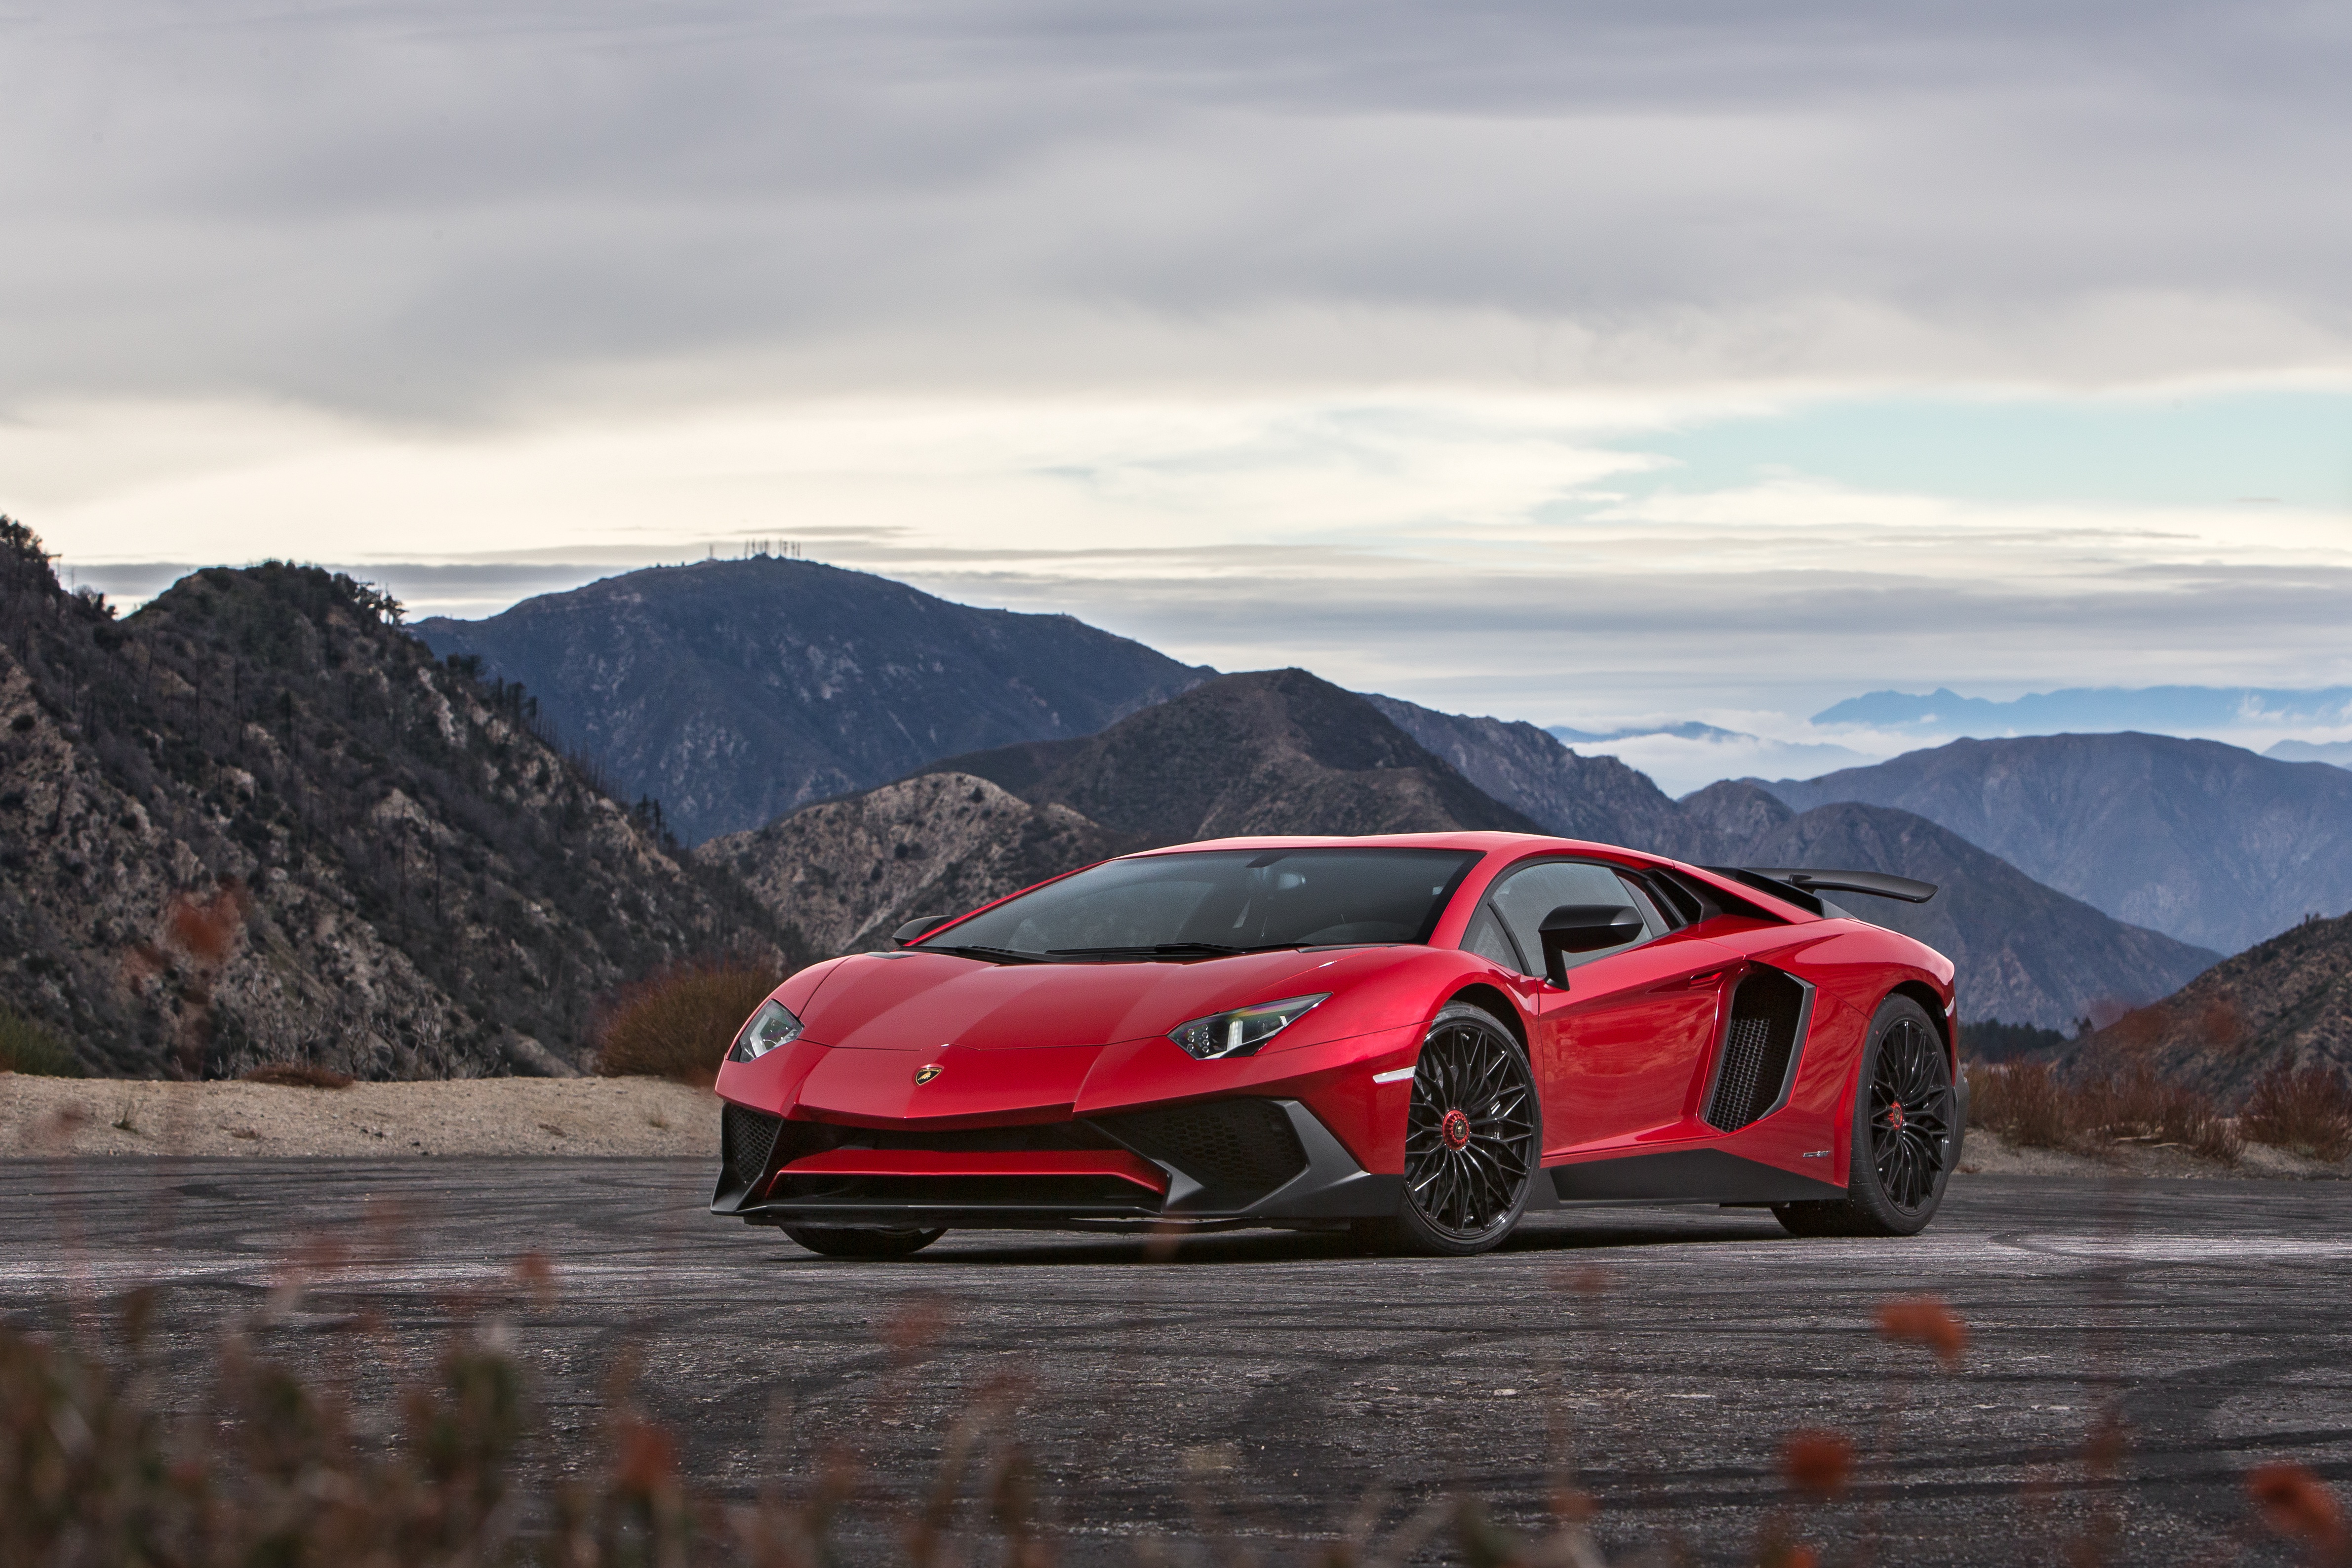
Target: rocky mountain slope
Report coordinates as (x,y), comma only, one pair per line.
(1530,771)
(2207,843)
(257,822)
(2026,953)
(2285,1002)
(1275,751)
(1269,752)
(852,871)
(734,690)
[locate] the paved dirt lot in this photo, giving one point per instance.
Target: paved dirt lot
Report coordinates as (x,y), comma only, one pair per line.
(1669,1351)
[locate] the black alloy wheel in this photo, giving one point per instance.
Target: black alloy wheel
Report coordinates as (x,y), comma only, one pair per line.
(1906,1133)
(1470,1143)
(1910,1115)
(872,1241)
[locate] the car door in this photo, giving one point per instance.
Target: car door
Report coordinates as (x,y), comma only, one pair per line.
(1622,1049)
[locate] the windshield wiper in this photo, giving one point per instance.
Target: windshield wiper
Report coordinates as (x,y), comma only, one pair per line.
(1163,950)
(987,954)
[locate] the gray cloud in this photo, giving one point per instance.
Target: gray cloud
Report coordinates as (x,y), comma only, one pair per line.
(435,210)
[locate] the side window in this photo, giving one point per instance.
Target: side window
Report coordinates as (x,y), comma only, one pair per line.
(1485,938)
(1527,896)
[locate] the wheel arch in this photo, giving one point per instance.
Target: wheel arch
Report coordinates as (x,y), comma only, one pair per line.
(1933,1005)
(1489,999)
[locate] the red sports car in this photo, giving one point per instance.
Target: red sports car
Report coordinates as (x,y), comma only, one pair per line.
(1419,1036)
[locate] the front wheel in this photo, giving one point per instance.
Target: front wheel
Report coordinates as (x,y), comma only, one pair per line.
(864,1241)
(1470,1140)
(1906,1133)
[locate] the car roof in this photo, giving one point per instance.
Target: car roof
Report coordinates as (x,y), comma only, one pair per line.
(1482,843)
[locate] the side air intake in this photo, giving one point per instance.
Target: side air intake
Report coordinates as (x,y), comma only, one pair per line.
(1768,1012)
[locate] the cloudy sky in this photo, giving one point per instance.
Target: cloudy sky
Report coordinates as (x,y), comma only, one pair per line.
(1579,363)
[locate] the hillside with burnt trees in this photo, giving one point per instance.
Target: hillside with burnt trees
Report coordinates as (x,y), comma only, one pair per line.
(257,822)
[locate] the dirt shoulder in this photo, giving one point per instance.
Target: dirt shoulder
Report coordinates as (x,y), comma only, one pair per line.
(47,1116)
(1987,1154)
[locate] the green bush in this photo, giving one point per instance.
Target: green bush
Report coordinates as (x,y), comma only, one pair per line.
(27,1046)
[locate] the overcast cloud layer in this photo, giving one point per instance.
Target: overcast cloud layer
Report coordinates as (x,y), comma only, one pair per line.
(424,206)
(1367,336)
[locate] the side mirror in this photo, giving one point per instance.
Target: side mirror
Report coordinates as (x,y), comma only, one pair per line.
(1583,928)
(919,928)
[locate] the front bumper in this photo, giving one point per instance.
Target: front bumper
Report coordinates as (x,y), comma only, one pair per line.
(1208,1165)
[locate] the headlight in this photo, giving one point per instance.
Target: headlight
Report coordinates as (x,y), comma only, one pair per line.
(771,1027)
(1241,1032)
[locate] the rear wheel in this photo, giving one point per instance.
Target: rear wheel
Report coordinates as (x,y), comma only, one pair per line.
(1470,1140)
(864,1241)
(1907,1135)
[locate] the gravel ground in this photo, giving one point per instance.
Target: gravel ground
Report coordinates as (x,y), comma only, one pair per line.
(472,1116)
(1662,1353)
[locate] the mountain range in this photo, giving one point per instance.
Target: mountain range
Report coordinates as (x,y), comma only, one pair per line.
(734,690)
(2096,709)
(2205,842)
(256,822)
(371,856)
(1311,758)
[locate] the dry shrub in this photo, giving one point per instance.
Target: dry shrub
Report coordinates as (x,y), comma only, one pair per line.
(2022,1102)
(2029,1105)
(2309,1110)
(31,1049)
(297,1075)
(678,1024)
(2135,1105)
(206,931)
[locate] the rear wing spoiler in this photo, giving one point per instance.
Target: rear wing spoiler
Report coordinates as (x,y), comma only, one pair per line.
(1877,884)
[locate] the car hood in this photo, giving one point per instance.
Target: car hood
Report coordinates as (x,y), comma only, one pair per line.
(916,1001)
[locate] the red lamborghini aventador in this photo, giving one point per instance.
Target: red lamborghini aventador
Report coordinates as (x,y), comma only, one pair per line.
(1419,1036)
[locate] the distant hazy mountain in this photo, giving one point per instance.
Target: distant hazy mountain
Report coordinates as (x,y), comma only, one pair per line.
(2092,709)
(2026,953)
(734,690)
(2285,1002)
(253,822)
(1684,757)
(2338,752)
(2205,842)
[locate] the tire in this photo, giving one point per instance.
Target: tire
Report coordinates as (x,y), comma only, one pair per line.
(870,1241)
(1474,1139)
(1906,1133)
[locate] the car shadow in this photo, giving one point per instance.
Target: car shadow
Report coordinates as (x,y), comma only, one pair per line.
(1552,1234)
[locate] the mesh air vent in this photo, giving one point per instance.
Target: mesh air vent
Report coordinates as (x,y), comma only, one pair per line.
(746,1140)
(1238,1149)
(1756,1049)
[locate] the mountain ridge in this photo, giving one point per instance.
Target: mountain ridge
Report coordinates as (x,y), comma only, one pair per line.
(2201,840)
(257,822)
(734,690)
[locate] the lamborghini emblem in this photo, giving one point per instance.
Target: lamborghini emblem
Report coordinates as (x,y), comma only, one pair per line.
(927,1072)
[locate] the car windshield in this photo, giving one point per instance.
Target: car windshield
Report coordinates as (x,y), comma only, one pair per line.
(1203,902)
